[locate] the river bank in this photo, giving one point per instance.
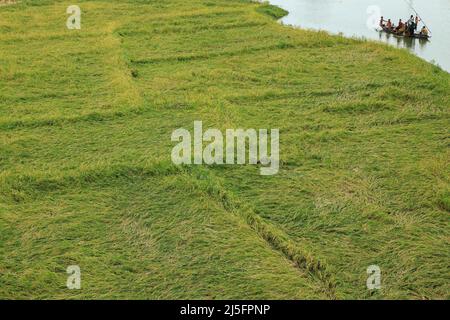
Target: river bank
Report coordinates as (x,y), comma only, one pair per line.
(360,19)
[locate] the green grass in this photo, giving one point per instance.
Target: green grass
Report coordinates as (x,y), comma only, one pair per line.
(86,178)
(272,11)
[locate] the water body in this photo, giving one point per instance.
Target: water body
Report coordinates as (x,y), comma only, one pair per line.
(351,17)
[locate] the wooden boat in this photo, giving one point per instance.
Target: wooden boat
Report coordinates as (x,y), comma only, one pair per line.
(406,35)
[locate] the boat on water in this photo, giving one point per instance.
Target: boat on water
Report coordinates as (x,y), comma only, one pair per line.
(405,34)
(408,28)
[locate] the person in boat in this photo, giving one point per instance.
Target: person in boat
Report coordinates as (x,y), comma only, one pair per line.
(416,22)
(410,26)
(389,24)
(412,22)
(401,27)
(424,31)
(382,22)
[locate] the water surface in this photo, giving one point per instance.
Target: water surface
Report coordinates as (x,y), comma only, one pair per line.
(351,18)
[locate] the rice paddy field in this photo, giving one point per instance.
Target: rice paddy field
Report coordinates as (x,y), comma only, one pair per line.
(86,176)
